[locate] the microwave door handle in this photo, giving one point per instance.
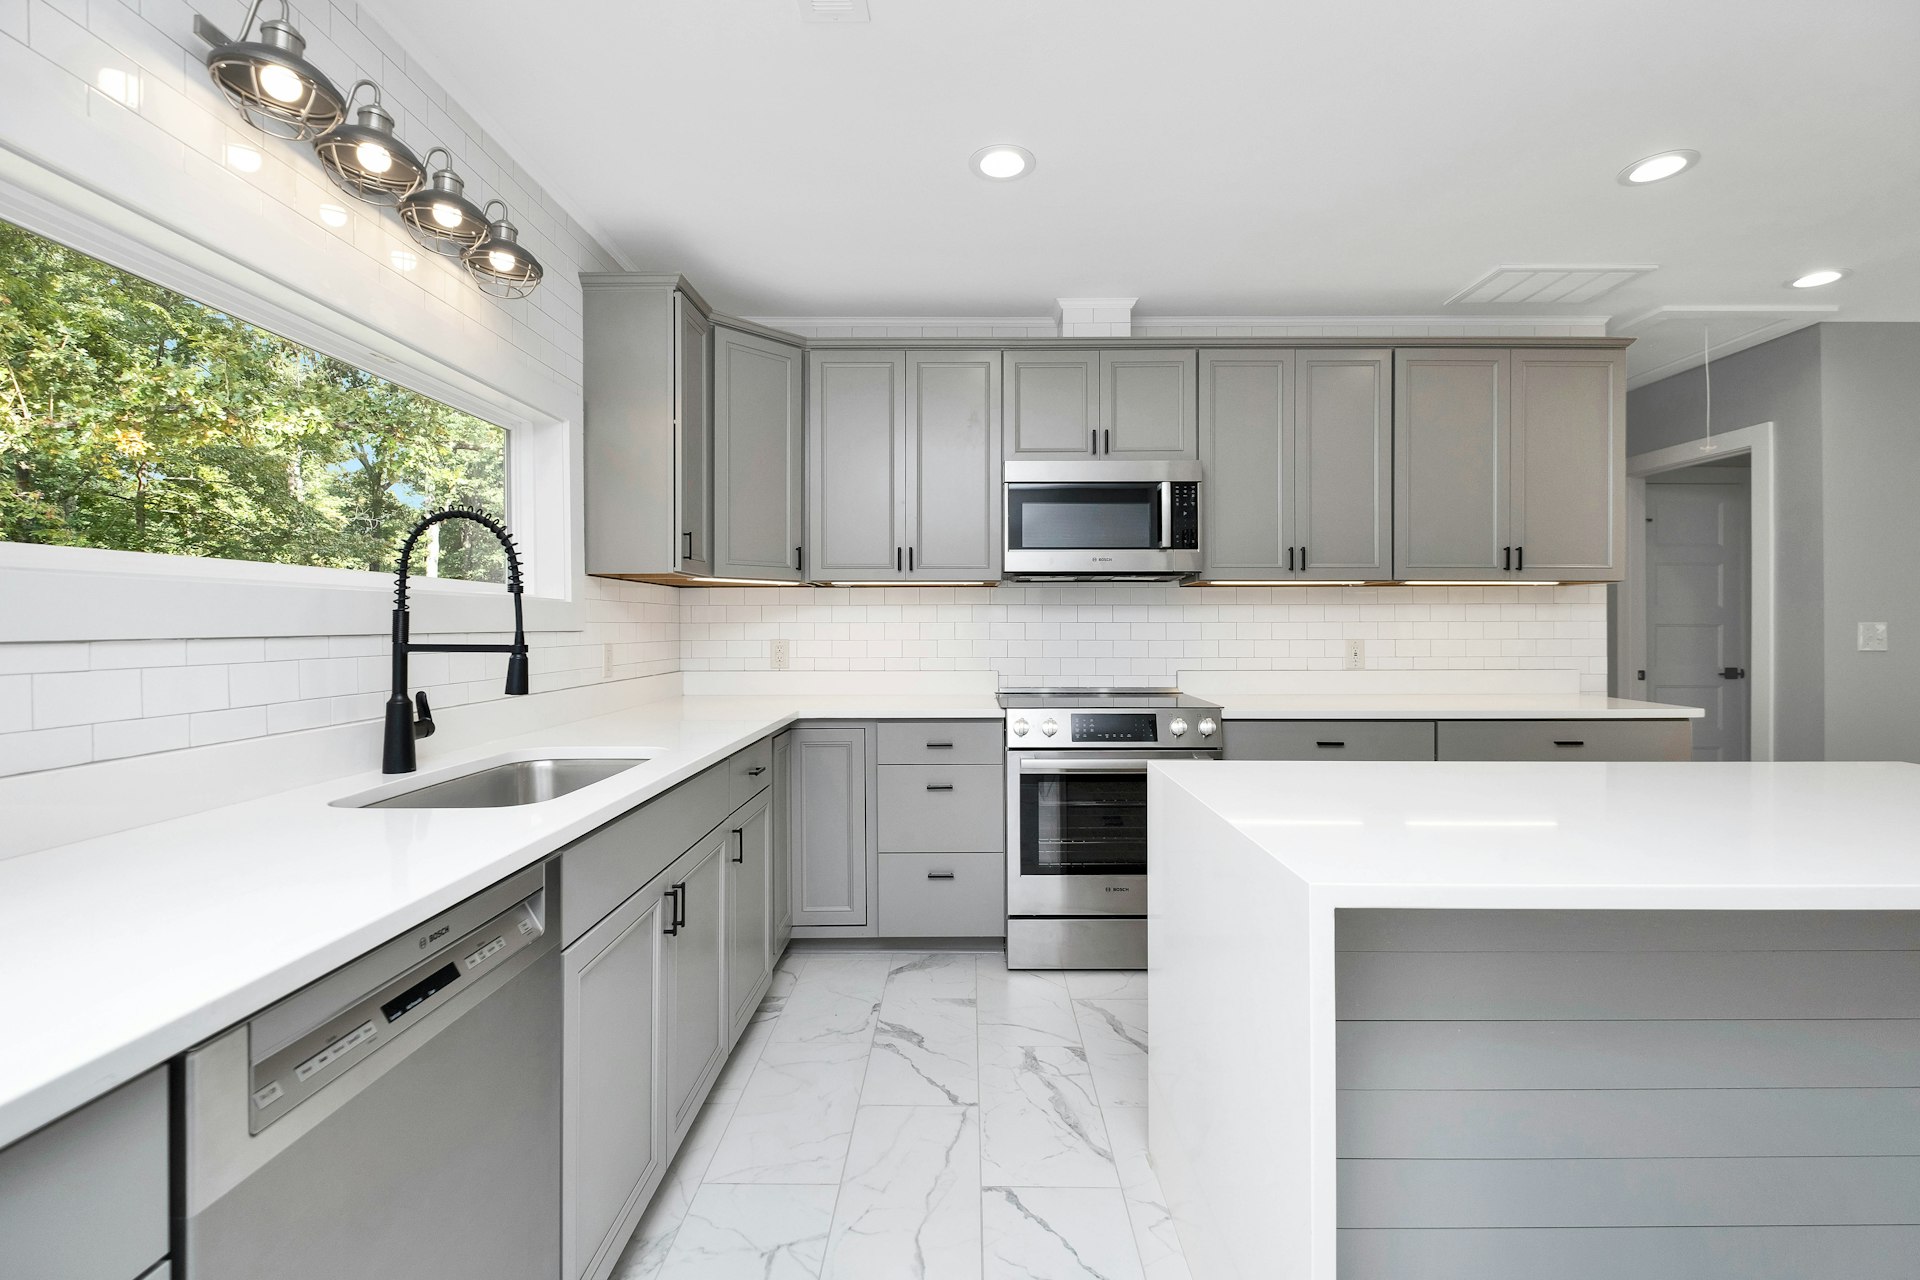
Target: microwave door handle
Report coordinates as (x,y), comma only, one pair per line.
(1166,515)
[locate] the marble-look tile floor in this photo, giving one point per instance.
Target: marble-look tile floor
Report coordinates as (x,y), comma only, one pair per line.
(908,1115)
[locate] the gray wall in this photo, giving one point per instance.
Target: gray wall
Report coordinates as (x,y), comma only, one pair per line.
(1778,382)
(1870,425)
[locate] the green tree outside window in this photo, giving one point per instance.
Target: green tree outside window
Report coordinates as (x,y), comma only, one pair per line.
(136,419)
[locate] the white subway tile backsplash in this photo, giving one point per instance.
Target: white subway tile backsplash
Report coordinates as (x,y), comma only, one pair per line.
(139,737)
(45,749)
(85,697)
(171,691)
(16,704)
(208,727)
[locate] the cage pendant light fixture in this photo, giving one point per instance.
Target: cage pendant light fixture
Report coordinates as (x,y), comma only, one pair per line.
(365,158)
(500,264)
(439,216)
(268,79)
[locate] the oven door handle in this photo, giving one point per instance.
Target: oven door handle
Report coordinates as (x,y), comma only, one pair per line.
(1083,766)
(1166,515)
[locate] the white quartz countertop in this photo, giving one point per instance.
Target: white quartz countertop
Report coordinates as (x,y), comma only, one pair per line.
(121,951)
(1805,835)
(1448,706)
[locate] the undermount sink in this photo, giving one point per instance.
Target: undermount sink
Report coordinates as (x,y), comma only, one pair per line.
(499,786)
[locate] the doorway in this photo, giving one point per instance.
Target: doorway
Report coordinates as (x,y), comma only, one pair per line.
(1693,619)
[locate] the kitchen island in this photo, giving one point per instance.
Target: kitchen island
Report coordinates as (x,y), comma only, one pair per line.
(1503,1020)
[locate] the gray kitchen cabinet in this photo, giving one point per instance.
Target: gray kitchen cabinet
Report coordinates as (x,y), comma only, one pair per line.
(1052,405)
(1569,465)
(1607,740)
(829,827)
(781,880)
(1147,405)
(613,1145)
(856,469)
(952,459)
(1510,465)
(1297,451)
(694,1001)
(749,772)
(1451,452)
(85,1198)
(759,463)
(749,874)
(943,895)
(648,430)
(1330,740)
(942,808)
(904,468)
(943,742)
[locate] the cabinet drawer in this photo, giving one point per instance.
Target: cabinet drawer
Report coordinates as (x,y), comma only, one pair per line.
(943,895)
(1330,740)
(749,772)
(603,868)
(931,809)
(943,742)
(1566,739)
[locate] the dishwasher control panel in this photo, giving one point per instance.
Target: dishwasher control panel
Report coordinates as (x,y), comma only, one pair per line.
(294,1072)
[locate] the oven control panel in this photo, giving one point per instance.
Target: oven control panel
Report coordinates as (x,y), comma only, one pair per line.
(1114,726)
(1119,728)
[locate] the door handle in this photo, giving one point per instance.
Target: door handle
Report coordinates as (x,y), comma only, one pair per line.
(1289,559)
(909,559)
(1166,515)
(1506,558)
(740,844)
(673,916)
(1093,442)
(756,771)
(939,786)
(897,552)
(1109,442)
(1519,559)
(939,746)
(688,537)
(799,564)
(680,906)
(1330,745)
(1303,557)
(1733,673)
(1569,742)
(939,875)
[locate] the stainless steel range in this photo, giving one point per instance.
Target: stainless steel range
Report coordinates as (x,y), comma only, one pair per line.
(1077,817)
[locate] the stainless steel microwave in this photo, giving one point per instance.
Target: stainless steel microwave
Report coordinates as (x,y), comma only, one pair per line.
(1102,519)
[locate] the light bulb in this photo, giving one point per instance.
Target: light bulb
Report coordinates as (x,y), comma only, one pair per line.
(446,215)
(373,157)
(1814,279)
(1002,164)
(501,260)
(1655,168)
(281,84)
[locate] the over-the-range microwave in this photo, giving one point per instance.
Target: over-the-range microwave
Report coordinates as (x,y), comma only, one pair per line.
(1138,520)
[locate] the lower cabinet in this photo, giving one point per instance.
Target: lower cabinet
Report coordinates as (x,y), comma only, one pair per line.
(693,973)
(1616,740)
(943,895)
(1330,740)
(782,858)
(749,910)
(831,837)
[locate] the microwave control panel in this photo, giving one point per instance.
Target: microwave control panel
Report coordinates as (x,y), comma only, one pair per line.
(1184,519)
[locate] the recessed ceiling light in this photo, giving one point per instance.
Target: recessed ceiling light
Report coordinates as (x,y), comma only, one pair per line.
(1654,168)
(1814,279)
(1003,162)
(245,159)
(333,215)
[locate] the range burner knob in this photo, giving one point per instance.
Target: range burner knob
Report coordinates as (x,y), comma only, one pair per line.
(1207,727)
(1178,727)
(1049,726)
(1020,727)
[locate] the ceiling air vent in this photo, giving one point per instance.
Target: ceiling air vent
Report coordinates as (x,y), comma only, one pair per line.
(1509,286)
(834,10)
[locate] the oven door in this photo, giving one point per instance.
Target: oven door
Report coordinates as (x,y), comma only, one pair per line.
(1077,832)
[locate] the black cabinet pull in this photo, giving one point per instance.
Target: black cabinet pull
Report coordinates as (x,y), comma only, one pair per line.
(1093,442)
(688,536)
(939,875)
(1289,559)
(740,844)
(680,906)
(897,552)
(673,915)
(1330,744)
(1303,556)
(1728,673)
(939,786)
(1506,557)
(799,564)
(939,746)
(1519,559)
(909,559)
(756,771)
(1571,742)
(1109,448)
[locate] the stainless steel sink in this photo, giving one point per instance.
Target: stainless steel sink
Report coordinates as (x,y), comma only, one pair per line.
(514,783)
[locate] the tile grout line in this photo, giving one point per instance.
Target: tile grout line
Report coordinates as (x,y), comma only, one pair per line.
(1093,1080)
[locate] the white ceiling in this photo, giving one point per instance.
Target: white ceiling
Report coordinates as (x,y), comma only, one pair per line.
(1213,157)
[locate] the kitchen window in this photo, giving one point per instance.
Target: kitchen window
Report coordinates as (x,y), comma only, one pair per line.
(133,418)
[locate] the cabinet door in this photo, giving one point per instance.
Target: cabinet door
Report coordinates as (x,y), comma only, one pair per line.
(1148,405)
(782,853)
(613,1150)
(1246,422)
(749,910)
(1569,449)
(1052,404)
(693,435)
(953,461)
(856,466)
(1450,464)
(695,990)
(829,826)
(1343,464)
(759,467)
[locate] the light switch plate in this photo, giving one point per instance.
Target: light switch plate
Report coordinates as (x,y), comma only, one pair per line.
(606,661)
(779,655)
(1873,637)
(1356,655)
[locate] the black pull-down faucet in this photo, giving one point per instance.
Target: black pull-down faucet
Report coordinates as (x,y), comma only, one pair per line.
(402,727)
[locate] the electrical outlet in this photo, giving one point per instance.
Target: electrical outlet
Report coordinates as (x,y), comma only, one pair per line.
(606,661)
(1873,637)
(1356,655)
(779,655)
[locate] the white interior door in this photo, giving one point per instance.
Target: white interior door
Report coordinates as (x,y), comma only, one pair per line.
(1697,601)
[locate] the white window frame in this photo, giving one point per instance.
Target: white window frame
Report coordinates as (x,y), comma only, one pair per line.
(52,593)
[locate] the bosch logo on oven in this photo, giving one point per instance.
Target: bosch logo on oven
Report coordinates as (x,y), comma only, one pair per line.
(1118,888)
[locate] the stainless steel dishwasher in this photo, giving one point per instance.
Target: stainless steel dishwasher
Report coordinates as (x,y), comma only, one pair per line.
(399,1117)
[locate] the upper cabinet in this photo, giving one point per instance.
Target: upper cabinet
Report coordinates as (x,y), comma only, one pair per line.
(649,461)
(759,462)
(1298,462)
(904,466)
(1509,465)
(1075,405)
